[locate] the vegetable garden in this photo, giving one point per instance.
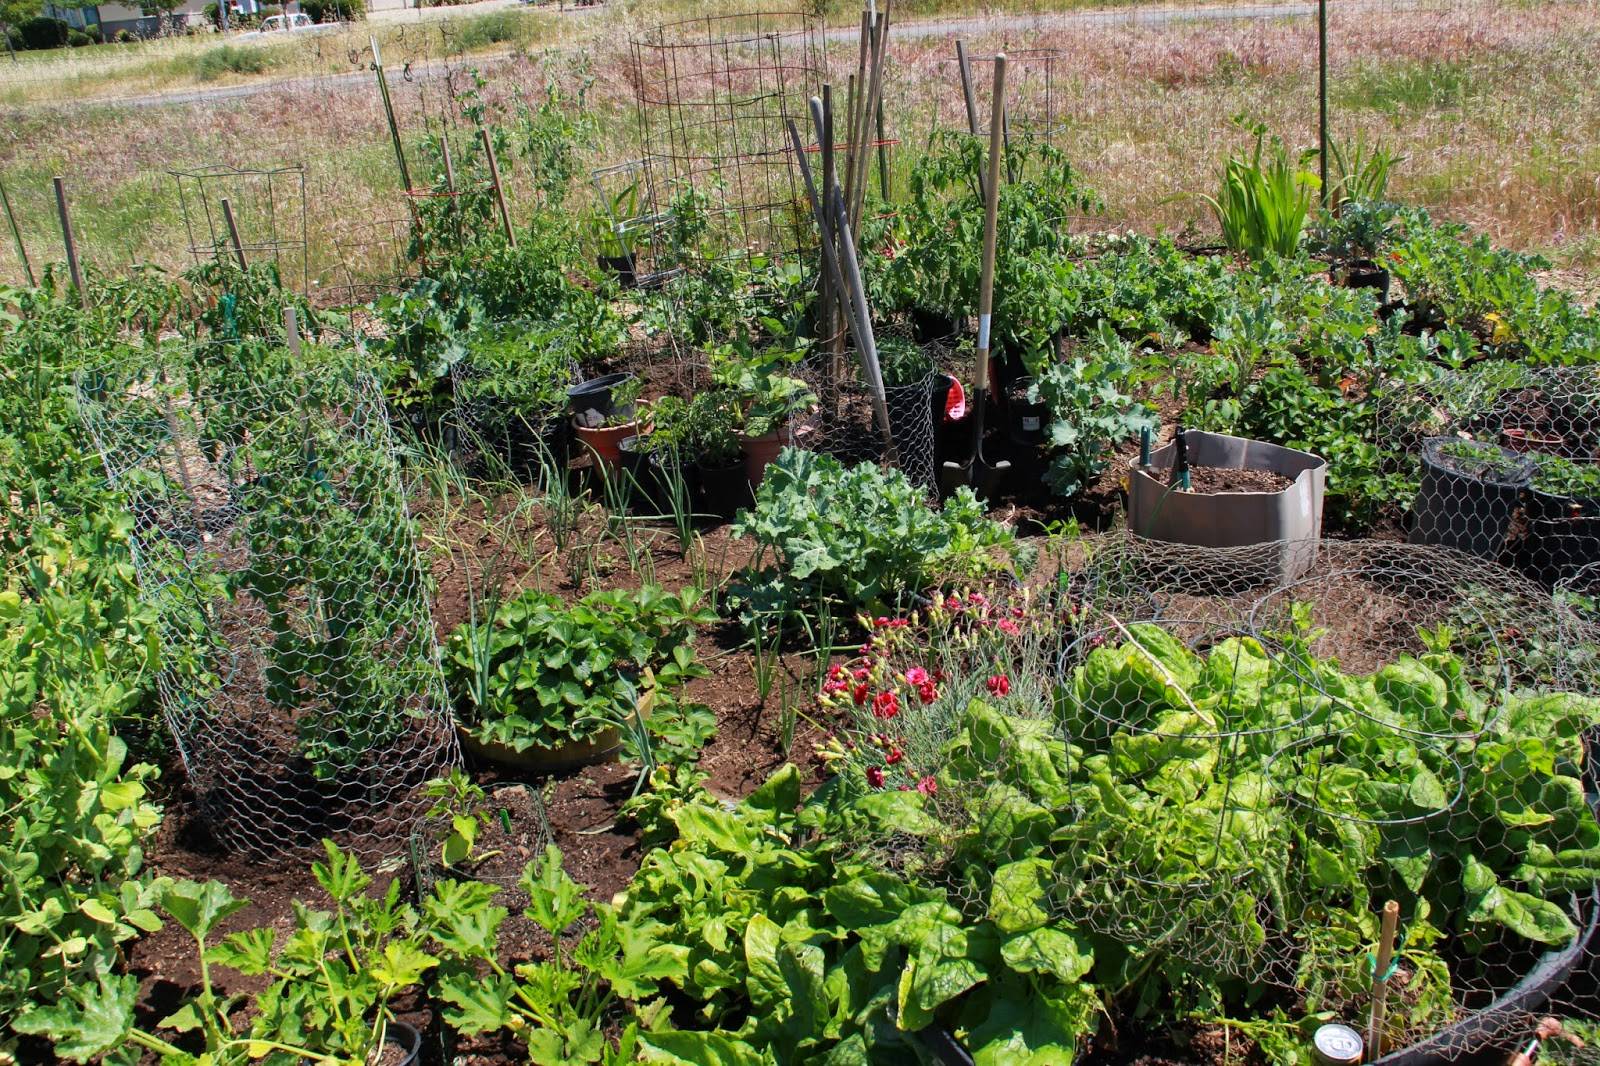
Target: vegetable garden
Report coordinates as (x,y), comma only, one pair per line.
(809,621)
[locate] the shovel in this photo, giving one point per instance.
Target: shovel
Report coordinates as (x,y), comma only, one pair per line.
(977,469)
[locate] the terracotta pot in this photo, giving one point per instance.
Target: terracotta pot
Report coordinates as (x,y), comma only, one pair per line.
(759,452)
(601,747)
(606,441)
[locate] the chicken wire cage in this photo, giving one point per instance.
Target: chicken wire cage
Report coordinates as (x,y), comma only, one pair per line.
(712,97)
(1220,775)
(1507,463)
(273,540)
(255,214)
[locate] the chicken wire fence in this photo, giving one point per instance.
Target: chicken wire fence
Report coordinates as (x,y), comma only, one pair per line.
(1219,773)
(1506,462)
(271,535)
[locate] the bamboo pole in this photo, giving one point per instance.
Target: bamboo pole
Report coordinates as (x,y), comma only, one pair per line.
(16,237)
(964,67)
(69,240)
(829,312)
(1380,979)
(499,191)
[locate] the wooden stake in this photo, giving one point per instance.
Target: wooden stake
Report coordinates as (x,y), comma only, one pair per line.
(291,330)
(965,69)
(883,155)
(450,183)
(388,110)
(16,237)
(233,234)
(832,321)
(499,191)
(68,239)
(1380,979)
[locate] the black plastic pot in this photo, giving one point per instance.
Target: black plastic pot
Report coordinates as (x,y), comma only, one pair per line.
(529,445)
(620,267)
(406,1038)
(1554,508)
(1467,503)
(1027,419)
(1553,550)
(722,490)
(592,400)
(653,478)
(931,326)
(1365,274)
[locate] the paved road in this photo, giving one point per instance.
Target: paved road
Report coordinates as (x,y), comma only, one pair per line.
(946,27)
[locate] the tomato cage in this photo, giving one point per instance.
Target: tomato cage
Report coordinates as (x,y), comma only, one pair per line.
(712,97)
(250,215)
(274,544)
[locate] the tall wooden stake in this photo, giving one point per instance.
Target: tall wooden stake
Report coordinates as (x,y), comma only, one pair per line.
(68,239)
(16,237)
(1322,97)
(1380,979)
(388,110)
(291,330)
(499,191)
(233,234)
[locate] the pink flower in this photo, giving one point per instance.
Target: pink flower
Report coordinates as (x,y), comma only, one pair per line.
(916,676)
(1008,627)
(880,622)
(927,693)
(866,649)
(830,688)
(979,599)
(999,685)
(835,672)
(894,756)
(859,694)
(861,673)
(1016,612)
(928,786)
(886,705)
(875,776)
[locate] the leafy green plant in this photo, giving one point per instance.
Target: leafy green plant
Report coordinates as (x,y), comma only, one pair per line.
(537,673)
(1563,477)
(862,535)
(1360,231)
(1359,172)
(1090,414)
(460,800)
(1480,459)
(769,397)
(328,1001)
(903,362)
(1263,203)
(560,1007)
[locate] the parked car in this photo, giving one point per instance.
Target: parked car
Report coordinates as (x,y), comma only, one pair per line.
(296,23)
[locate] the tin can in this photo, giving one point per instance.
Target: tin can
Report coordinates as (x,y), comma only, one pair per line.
(1337,1045)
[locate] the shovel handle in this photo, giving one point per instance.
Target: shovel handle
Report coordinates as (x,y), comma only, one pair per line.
(991,216)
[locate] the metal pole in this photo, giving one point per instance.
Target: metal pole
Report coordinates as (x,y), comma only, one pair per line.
(388,110)
(16,237)
(68,239)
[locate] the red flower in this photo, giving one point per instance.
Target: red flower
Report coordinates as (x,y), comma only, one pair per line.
(885,705)
(831,687)
(928,786)
(880,622)
(916,676)
(859,694)
(835,672)
(866,649)
(862,673)
(999,685)
(894,756)
(927,693)
(1009,627)
(875,776)
(940,677)
(1017,612)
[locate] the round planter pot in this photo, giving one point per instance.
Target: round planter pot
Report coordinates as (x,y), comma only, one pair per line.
(530,445)
(1027,419)
(605,442)
(653,477)
(759,452)
(407,1042)
(1287,523)
(1554,508)
(592,401)
(1466,504)
(929,326)
(1365,274)
(620,267)
(602,747)
(722,490)
(1554,550)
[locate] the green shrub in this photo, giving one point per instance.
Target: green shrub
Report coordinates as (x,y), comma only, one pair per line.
(501,27)
(334,10)
(228,59)
(44,32)
(76,38)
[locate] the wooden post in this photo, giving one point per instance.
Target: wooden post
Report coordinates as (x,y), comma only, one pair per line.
(499,191)
(1380,980)
(68,239)
(291,329)
(883,155)
(16,237)
(233,234)
(450,184)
